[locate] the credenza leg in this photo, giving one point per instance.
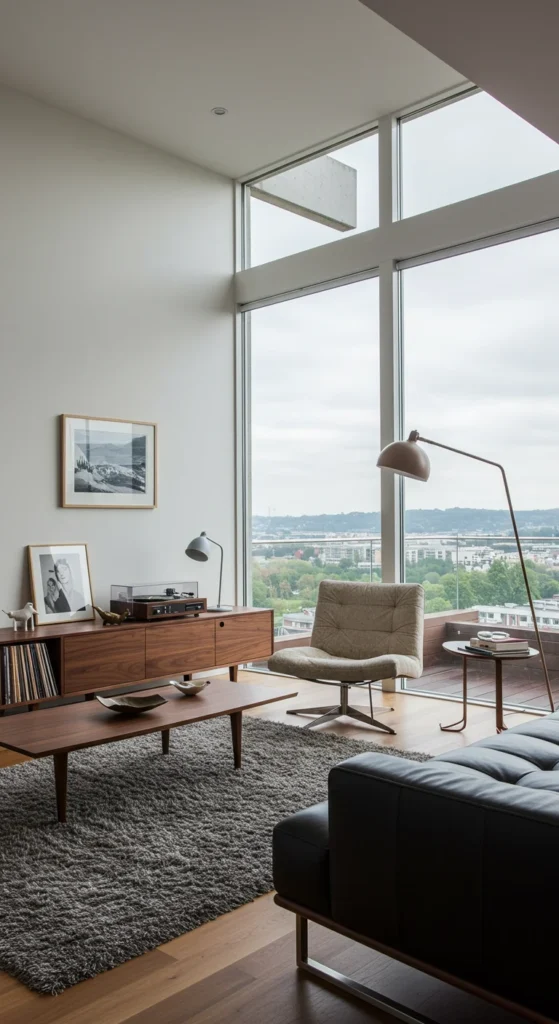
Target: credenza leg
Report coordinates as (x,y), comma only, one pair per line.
(61,784)
(187,677)
(90,696)
(165,736)
(237,736)
(233,673)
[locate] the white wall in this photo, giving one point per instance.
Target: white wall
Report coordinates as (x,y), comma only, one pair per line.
(115,272)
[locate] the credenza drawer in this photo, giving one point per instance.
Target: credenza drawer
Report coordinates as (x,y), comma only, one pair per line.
(111,658)
(245,637)
(179,647)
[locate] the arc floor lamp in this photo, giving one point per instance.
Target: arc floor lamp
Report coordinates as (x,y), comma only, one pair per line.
(407,458)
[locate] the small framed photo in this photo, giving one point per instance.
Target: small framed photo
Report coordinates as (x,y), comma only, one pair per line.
(60,583)
(108,463)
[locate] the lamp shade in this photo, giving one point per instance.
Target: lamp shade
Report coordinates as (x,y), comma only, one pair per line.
(405,458)
(199,549)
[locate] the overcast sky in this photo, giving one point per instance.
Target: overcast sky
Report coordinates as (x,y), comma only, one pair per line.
(481,333)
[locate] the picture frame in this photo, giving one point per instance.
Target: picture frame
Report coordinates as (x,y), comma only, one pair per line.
(108,463)
(60,583)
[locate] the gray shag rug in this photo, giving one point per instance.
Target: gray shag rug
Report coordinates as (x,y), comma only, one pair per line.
(154,845)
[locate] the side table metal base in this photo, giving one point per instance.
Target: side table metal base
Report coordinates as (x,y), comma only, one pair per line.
(456,647)
(461,724)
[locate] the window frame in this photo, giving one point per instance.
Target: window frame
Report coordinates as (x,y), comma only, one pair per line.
(515,211)
(325,149)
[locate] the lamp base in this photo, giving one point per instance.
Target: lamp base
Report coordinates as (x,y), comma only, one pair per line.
(221,608)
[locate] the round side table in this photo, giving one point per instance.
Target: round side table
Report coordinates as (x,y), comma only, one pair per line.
(457,647)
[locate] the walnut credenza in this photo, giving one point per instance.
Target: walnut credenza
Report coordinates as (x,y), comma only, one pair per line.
(87,657)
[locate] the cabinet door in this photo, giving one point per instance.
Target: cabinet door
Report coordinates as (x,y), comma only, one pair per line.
(111,658)
(246,637)
(179,647)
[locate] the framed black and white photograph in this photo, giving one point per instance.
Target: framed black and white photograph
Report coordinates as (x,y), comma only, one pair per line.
(60,583)
(108,463)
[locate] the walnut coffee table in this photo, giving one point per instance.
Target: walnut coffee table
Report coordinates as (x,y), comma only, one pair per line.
(55,732)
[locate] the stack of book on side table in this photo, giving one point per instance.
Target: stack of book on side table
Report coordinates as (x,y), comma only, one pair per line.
(511,647)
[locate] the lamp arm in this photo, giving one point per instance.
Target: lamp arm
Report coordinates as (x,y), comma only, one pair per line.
(415,436)
(217,544)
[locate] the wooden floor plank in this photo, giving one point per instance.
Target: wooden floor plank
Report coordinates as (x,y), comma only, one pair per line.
(20,1005)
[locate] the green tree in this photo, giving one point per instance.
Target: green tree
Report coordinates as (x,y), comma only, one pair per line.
(500,590)
(307,580)
(438,604)
(518,587)
(259,594)
(433,591)
(432,577)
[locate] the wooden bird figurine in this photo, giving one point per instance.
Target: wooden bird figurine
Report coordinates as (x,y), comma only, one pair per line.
(112,618)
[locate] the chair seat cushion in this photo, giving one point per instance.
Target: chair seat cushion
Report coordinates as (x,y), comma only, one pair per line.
(312,663)
(302,858)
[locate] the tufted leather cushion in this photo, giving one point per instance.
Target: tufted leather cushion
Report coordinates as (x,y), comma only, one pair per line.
(361,631)
(526,756)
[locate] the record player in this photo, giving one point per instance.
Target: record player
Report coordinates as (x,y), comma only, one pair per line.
(152,601)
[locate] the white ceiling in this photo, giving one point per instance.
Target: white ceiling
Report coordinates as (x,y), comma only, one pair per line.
(292,73)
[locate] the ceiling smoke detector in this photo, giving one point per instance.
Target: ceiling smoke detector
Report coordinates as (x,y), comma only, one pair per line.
(219,111)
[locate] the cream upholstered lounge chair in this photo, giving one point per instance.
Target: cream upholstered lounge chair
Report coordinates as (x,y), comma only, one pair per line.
(362,632)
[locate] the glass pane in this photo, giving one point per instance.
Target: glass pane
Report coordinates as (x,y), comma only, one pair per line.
(472,146)
(315,437)
(482,374)
(342,185)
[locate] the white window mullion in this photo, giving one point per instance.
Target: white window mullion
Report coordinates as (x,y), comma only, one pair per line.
(389,359)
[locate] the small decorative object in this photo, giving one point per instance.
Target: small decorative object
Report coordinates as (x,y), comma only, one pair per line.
(489,634)
(108,463)
(23,615)
(112,618)
(190,687)
(199,549)
(60,583)
(128,705)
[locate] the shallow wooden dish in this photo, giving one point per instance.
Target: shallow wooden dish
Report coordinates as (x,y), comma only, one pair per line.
(190,687)
(129,705)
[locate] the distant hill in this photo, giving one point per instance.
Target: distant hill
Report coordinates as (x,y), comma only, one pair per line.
(431,520)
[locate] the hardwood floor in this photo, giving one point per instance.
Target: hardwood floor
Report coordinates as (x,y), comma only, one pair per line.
(240,968)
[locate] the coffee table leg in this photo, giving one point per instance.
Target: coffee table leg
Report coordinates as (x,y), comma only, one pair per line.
(458,726)
(61,784)
(236,735)
(165,736)
(499,720)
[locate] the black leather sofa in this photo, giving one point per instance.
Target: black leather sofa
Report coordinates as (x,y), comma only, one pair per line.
(462,853)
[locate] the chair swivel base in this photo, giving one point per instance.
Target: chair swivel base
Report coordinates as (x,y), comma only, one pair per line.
(329,714)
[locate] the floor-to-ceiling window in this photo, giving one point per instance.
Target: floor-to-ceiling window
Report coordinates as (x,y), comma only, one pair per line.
(481,371)
(315,436)
(463,350)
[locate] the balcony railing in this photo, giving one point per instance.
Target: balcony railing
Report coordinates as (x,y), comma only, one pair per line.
(468,580)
